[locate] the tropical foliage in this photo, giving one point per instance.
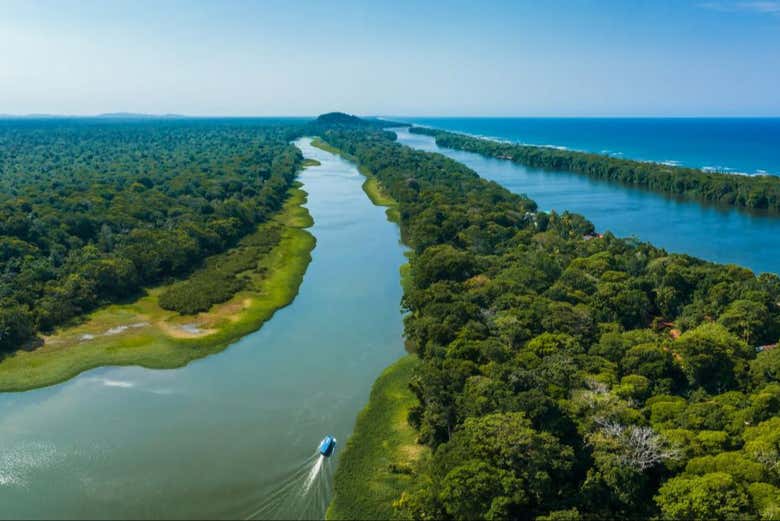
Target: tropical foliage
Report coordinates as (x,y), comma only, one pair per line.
(761,192)
(90,211)
(568,375)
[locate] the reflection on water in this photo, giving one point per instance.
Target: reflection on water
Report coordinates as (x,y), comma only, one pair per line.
(705,231)
(231,433)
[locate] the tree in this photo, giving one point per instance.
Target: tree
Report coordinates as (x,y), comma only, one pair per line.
(762,444)
(639,448)
(765,368)
(16,326)
(713,358)
(548,344)
(442,262)
(506,441)
(766,500)
(746,318)
(476,490)
(654,362)
(712,496)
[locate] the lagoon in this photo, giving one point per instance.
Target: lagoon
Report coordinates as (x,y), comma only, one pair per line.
(714,233)
(747,145)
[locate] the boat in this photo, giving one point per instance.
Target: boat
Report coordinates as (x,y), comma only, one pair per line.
(327,445)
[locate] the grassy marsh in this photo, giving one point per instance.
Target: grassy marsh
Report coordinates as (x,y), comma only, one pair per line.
(382,454)
(142,333)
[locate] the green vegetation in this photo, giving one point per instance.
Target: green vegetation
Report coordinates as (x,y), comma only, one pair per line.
(566,375)
(322,145)
(310,162)
(381,456)
(556,373)
(91,211)
(143,333)
(340,119)
(224,275)
(380,198)
(754,192)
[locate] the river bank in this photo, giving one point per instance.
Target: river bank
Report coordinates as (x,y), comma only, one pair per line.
(129,443)
(717,234)
(382,454)
(492,319)
(371,186)
(142,333)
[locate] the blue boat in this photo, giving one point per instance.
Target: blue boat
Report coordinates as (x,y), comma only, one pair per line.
(327,445)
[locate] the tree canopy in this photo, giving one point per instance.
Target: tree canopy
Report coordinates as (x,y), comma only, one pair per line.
(93,210)
(565,376)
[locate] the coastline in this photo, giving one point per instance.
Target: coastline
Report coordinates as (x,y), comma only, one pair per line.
(747,193)
(143,334)
(534,134)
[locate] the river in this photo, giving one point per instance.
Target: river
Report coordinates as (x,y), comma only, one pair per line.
(232,435)
(710,232)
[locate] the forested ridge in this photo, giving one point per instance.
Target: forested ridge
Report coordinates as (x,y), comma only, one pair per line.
(91,211)
(761,192)
(568,375)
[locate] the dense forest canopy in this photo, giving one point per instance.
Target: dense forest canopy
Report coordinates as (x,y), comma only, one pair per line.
(568,375)
(564,375)
(92,210)
(760,192)
(340,118)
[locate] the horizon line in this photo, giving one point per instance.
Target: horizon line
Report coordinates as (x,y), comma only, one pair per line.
(142,115)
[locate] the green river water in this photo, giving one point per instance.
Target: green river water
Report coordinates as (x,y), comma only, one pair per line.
(233,435)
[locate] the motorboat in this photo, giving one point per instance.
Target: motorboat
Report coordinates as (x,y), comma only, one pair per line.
(327,445)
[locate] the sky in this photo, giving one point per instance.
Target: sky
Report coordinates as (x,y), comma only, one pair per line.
(399,57)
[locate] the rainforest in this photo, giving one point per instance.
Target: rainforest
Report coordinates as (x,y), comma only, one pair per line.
(391,260)
(566,374)
(553,371)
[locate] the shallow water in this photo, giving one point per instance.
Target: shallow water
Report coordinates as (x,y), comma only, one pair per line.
(231,435)
(710,232)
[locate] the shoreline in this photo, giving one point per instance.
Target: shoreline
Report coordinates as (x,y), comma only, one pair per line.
(752,194)
(142,334)
(371,186)
(704,168)
(381,455)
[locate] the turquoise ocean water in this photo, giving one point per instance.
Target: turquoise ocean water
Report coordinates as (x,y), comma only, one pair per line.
(744,145)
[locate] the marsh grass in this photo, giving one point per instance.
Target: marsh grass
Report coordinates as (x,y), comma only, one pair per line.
(371,186)
(143,333)
(382,455)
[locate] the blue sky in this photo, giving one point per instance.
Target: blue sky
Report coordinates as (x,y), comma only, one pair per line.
(512,58)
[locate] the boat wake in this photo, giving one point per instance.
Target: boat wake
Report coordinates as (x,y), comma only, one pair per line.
(303,494)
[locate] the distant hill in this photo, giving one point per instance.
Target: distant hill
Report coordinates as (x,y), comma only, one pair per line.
(135,115)
(110,115)
(341,118)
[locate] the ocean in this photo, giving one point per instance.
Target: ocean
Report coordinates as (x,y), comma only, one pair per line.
(735,145)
